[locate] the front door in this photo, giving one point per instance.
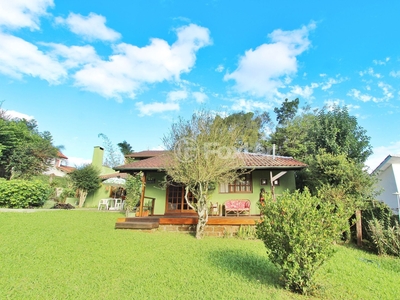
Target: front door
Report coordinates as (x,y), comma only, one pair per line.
(176,203)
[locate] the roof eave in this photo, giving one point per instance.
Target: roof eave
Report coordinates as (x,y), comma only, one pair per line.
(247,167)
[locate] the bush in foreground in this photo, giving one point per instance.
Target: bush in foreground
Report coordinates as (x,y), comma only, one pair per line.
(298,231)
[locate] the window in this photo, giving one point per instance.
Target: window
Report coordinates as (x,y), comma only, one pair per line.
(242,185)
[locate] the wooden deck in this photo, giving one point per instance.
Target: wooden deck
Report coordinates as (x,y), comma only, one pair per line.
(155,221)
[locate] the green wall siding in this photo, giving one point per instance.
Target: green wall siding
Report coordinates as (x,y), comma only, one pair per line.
(155,190)
(92,200)
(287,181)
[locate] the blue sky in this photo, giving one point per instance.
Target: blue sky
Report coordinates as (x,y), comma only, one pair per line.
(128,69)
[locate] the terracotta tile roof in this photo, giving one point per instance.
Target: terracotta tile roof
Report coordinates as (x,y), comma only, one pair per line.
(114,175)
(66,169)
(60,155)
(153,163)
(261,161)
(252,160)
(146,153)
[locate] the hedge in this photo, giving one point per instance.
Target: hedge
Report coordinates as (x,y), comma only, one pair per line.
(23,193)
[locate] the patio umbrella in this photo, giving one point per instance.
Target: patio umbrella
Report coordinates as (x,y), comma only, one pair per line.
(115,181)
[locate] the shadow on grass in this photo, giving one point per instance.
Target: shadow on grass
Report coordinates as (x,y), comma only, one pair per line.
(254,267)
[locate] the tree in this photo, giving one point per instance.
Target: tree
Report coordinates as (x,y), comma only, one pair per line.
(253,128)
(202,154)
(335,148)
(24,151)
(332,129)
(339,133)
(85,179)
(125,148)
(293,138)
(113,157)
(339,180)
(287,111)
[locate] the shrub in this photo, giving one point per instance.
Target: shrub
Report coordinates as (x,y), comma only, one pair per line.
(133,188)
(85,179)
(298,231)
(23,193)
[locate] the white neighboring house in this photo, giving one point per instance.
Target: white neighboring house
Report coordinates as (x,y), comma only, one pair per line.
(388,173)
(59,166)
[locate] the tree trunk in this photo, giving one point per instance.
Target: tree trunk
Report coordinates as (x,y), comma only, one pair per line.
(82,197)
(203,219)
(202,209)
(200,190)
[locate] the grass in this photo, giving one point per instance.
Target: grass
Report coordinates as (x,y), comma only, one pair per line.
(79,255)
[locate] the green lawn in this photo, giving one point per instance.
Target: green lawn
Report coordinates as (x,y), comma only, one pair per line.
(79,255)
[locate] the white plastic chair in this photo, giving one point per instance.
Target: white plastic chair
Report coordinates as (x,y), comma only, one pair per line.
(103,202)
(118,204)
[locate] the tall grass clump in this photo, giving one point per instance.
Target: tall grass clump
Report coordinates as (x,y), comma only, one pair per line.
(381,229)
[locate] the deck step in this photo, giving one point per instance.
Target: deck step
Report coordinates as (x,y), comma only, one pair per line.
(136,225)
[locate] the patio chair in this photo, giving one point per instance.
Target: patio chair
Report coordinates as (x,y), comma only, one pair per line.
(118,204)
(103,202)
(214,209)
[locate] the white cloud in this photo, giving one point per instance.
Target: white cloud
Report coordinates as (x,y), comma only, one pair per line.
(200,97)
(331,81)
(156,107)
(362,97)
(177,95)
(304,92)
(18,115)
(381,62)
(387,91)
(331,103)
(131,67)
(78,161)
(16,14)
(74,56)
(380,154)
(260,71)
(220,68)
(92,27)
(370,72)
(395,74)
(19,58)
(250,105)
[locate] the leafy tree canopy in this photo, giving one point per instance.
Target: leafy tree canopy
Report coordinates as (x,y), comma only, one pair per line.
(252,125)
(125,148)
(287,111)
(331,129)
(85,179)
(24,150)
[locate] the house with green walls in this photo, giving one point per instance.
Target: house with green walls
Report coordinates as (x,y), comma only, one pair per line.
(92,200)
(268,172)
